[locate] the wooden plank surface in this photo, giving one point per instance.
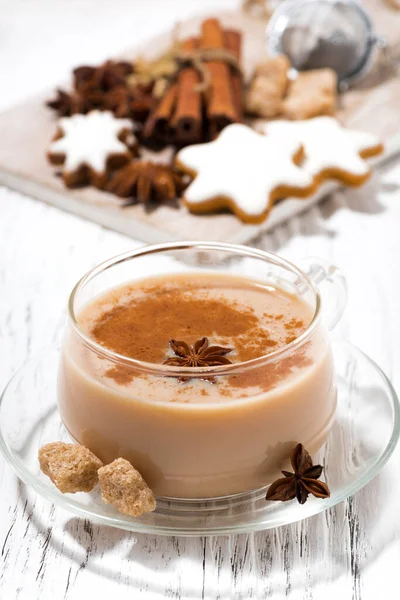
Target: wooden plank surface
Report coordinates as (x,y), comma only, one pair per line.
(27,128)
(351,552)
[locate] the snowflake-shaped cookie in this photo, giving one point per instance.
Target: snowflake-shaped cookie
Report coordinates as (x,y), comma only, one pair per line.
(88,145)
(244,171)
(331,150)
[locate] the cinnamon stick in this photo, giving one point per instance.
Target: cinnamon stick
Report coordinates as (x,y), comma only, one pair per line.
(220,107)
(158,123)
(187,119)
(233,43)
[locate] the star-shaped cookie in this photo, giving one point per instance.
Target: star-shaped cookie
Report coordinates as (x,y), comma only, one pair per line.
(244,171)
(331,151)
(88,145)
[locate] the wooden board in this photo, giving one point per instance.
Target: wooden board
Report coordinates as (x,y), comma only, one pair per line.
(26,129)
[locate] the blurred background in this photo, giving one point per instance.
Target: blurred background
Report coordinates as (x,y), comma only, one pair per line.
(42,40)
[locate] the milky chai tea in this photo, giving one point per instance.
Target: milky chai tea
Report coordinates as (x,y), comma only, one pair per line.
(197,437)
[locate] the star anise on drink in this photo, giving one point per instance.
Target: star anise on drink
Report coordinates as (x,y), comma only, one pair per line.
(198,355)
(146,181)
(302,482)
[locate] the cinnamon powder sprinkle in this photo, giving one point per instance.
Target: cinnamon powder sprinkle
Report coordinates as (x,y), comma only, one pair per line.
(142,327)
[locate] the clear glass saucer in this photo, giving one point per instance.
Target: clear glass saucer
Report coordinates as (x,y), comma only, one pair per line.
(361,441)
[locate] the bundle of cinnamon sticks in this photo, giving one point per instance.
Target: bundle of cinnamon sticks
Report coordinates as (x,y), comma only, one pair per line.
(187,114)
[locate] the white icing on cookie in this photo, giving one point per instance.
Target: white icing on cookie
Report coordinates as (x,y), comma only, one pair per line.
(242,165)
(327,145)
(90,139)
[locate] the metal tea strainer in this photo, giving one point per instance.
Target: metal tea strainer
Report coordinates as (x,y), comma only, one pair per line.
(325,33)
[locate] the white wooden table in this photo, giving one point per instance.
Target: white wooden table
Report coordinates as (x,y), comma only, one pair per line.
(351,552)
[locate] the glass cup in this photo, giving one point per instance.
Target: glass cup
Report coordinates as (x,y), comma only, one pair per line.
(203,450)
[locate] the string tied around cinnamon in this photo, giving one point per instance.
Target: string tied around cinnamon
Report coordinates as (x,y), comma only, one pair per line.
(197,59)
(209,64)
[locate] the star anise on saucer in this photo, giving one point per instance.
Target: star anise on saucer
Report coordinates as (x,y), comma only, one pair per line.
(302,482)
(147,181)
(198,355)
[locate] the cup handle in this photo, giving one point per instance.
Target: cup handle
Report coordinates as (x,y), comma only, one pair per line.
(332,287)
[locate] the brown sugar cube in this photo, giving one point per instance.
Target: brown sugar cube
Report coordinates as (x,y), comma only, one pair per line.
(318,80)
(264,97)
(308,106)
(71,467)
(275,69)
(124,487)
(311,94)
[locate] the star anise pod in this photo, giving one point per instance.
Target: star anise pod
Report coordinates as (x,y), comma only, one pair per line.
(62,103)
(142,102)
(126,103)
(302,482)
(68,104)
(118,101)
(113,73)
(146,181)
(198,355)
(83,77)
(91,87)
(76,102)
(102,78)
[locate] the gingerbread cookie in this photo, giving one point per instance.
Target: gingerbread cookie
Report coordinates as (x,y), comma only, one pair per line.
(331,151)
(244,171)
(89,145)
(311,94)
